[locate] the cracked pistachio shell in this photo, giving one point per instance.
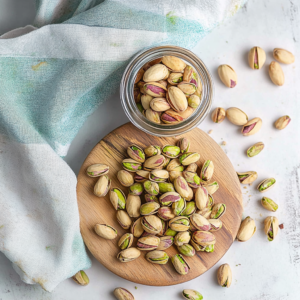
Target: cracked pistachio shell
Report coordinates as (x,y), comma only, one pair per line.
(165,213)
(181,187)
(189,158)
(282,122)
(125,241)
(188,73)
(155,89)
(276,74)
(136,153)
(178,207)
(123,219)
(149,208)
(136,189)
(165,242)
(184,145)
(192,179)
(207,170)
(182,238)
(252,127)
(133,205)
(266,185)
(151,187)
(283,56)
(170,232)
(201,198)
(148,243)
(224,276)
(136,228)
(165,187)
(180,264)
(171,151)
(187,88)
(215,224)
(81,278)
(123,294)
(255,149)
(157,257)
(159,104)
(199,222)
(179,224)
(271,227)
(173,175)
(204,238)
(145,100)
(154,162)
(227,75)
(236,116)
(218,210)
(155,73)
(174,63)
(169,198)
(152,151)
(125,178)
(97,170)
(152,115)
(164,228)
(247,177)
(247,230)
(256,58)
(191,295)
(131,165)
(141,176)
(189,209)
(177,99)
(117,198)
(128,255)
(159,175)
(175,78)
(102,186)
(269,204)
(175,165)
(211,187)
(151,224)
(106,231)
(218,115)
(194,101)
(186,250)
(205,212)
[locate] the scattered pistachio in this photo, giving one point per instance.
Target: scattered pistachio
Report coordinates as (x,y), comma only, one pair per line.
(252,127)
(283,56)
(224,276)
(255,149)
(266,184)
(227,75)
(97,170)
(106,231)
(276,73)
(271,227)
(81,278)
(256,58)
(218,115)
(269,204)
(236,116)
(282,122)
(247,230)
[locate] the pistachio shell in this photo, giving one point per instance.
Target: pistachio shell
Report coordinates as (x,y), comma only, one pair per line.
(269,204)
(227,75)
(186,250)
(177,99)
(271,227)
(152,151)
(106,231)
(149,208)
(174,63)
(282,122)
(180,264)
(205,212)
(102,186)
(189,209)
(175,78)
(182,238)
(189,158)
(218,210)
(154,162)
(97,170)
(201,198)
(184,145)
(211,187)
(251,127)
(129,254)
(283,56)
(169,198)
(197,247)
(276,73)
(266,185)
(137,228)
(155,73)
(236,116)
(148,243)
(192,179)
(215,224)
(179,224)
(190,195)
(164,228)
(136,153)
(255,149)
(123,219)
(81,278)
(192,295)
(247,177)
(159,175)
(125,178)
(218,115)
(123,294)
(117,198)
(131,165)
(133,205)
(125,241)
(199,222)
(165,242)
(151,187)
(204,238)
(224,275)
(151,224)
(256,58)
(247,230)
(181,187)
(178,207)
(174,165)
(194,101)
(173,175)
(174,117)
(171,151)
(157,257)
(141,176)
(207,170)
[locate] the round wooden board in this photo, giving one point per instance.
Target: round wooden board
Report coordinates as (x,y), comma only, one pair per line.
(111,150)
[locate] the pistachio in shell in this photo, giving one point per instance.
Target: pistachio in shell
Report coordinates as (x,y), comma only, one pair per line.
(148,243)
(224,275)
(136,189)
(236,116)
(131,165)
(165,213)
(170,232)
(139,75)
(271,227)
(151,187)
(129,254)
(151,198)
(175,78)
(165,187)
(149,208)
(215,224)
(141,176)
(194,101)
(165,242)
(97,170)
(218,210)
(218,115)
(152,115)
(282,122)
(136,153)
(157,257)
(125,178)
(177,99)
(182,238)
(255,149)
(276,74)
(173,175)
(133,205)
(174,63)
(136,228)
(175,165)
(123,219)
(169,198)
(192,179)
(189,209)
(159,104)
(200,223)
(106,231)
(164,228)
(204,238)
(181,187)
(211,187)
(201,198)
(269,204)
(171,151)
(197,247)
(246,230)
(247,177)
(188,73)
(154,162)
(187,88)
(178,207)
(145,100)
(123,294)
(102,186)
(189,158)
(227,75)
(117,198)
(179,224)
(256,58)
(151,224)
(159,175)
(152,150)
(81,278)
(252,127)
(180,264)
(186,250)
(207,170)
(266,184)
(155,89)
(125,241)
(283,56)
(191,295)
(205,212)
(192,168)
(155,73)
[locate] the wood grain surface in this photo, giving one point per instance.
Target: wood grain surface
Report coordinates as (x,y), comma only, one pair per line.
(111,150)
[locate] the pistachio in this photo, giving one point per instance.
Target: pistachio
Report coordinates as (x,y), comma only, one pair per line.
(269,204)
(247,230)
(200,223)
(140,107)
(189,209)
(183,144)
(271,227)
(123,294)
(136,189)
(192,295)
(283,56)
(215,224)
(218,210)
(106,231)
(141,176)
(178,207)
(166,242)
(266,184)
(81,278)
(177,99)
(123,219)
(102,186)
(159,104)
(187,88)
(152,151)
(187,73)
(211,187)
(175,78)
(149,208)
(151,187)
(179,224)
(167,160)
(182,238)
(276,73)
(207,170)
(155,73)
(256,58)
(205,212)
(236,116)
(151,224)
(227,76)
(165,187)
(186,250)
(194,101)
(180,264)
(197,247)
(175,165)
(204,238)
(154,162)
(117,198)
(251,127)
(97,170)
(159,175)
(151,198)
(128,255)
(139,75)
(125,178)
(170,232)
(173,117)
(136,153)
(145,100)
(157,257)
(201,198)
(189,158)
(174,63)
(192,168)
(152,115)
(218,115)
(171,151)
(192,179)
(247,177)
(169,198)
(125,241)
(164,228)
(137,95)
(192,227)
(224,276)
(131,165)
(165,213)
(255,149)
(136,228)
(282,122)
(173,175)
(181,186)
(133,205)
(155,89)
(148,243)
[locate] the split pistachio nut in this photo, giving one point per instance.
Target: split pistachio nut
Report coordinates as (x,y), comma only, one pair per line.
(181,187)
(182,238)
(247,230)
(81,278)
(256,58)
(141,176)
(152,115)
(97,170)
(177,99)
(207,170)
(192,179)
(180,264)
(189,158)
(194,101)
(169,198)
(125,178)
(170,232)
(218,115)
(255,149)
(133,205)
(247,177)
(192,295)
(175,78)
(136,153)
(282,122)
(179,224)
(205,212)
(149,208)
(224,275)
(227,75)
(266,185)
(269,204)
(157,257)
(165,213)
(154,162)
(117,198)
(159,175)
(215,224)
(155,89)
(131,165)
(186,250)
(151,224)
(123,219)
(166,242)
(155,73)
(151,198)
(211,187)
(151,187)
(204,238)
(123,294)
(187,88)
(148,243)
(192,168)
(236,116)
(174,63)
(271,227)
(102,186)
(175,165)
(137,228)
(145,100)
(218,210)
(136,189)
(125,241)
(171,151)
(276,74)
(129,254)
(189,209)
(283,56)
(178,207)
(200,223)
(165,187)
(106,231)
(201,198)
(252,127)
(152,151)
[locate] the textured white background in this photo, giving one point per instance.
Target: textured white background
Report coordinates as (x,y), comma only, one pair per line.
(261,270)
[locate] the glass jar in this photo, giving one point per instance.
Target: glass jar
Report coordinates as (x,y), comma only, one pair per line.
(127,87)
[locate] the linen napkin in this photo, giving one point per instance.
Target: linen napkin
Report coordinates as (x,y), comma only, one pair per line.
(52,79)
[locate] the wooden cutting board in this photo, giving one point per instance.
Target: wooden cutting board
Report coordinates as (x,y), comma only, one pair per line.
(111,150)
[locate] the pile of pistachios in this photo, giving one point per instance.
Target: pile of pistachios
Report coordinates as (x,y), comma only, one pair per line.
(167,90)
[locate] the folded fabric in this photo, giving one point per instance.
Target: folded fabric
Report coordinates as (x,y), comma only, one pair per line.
(52,79)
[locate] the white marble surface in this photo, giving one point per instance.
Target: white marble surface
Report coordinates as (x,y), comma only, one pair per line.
(261,270)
